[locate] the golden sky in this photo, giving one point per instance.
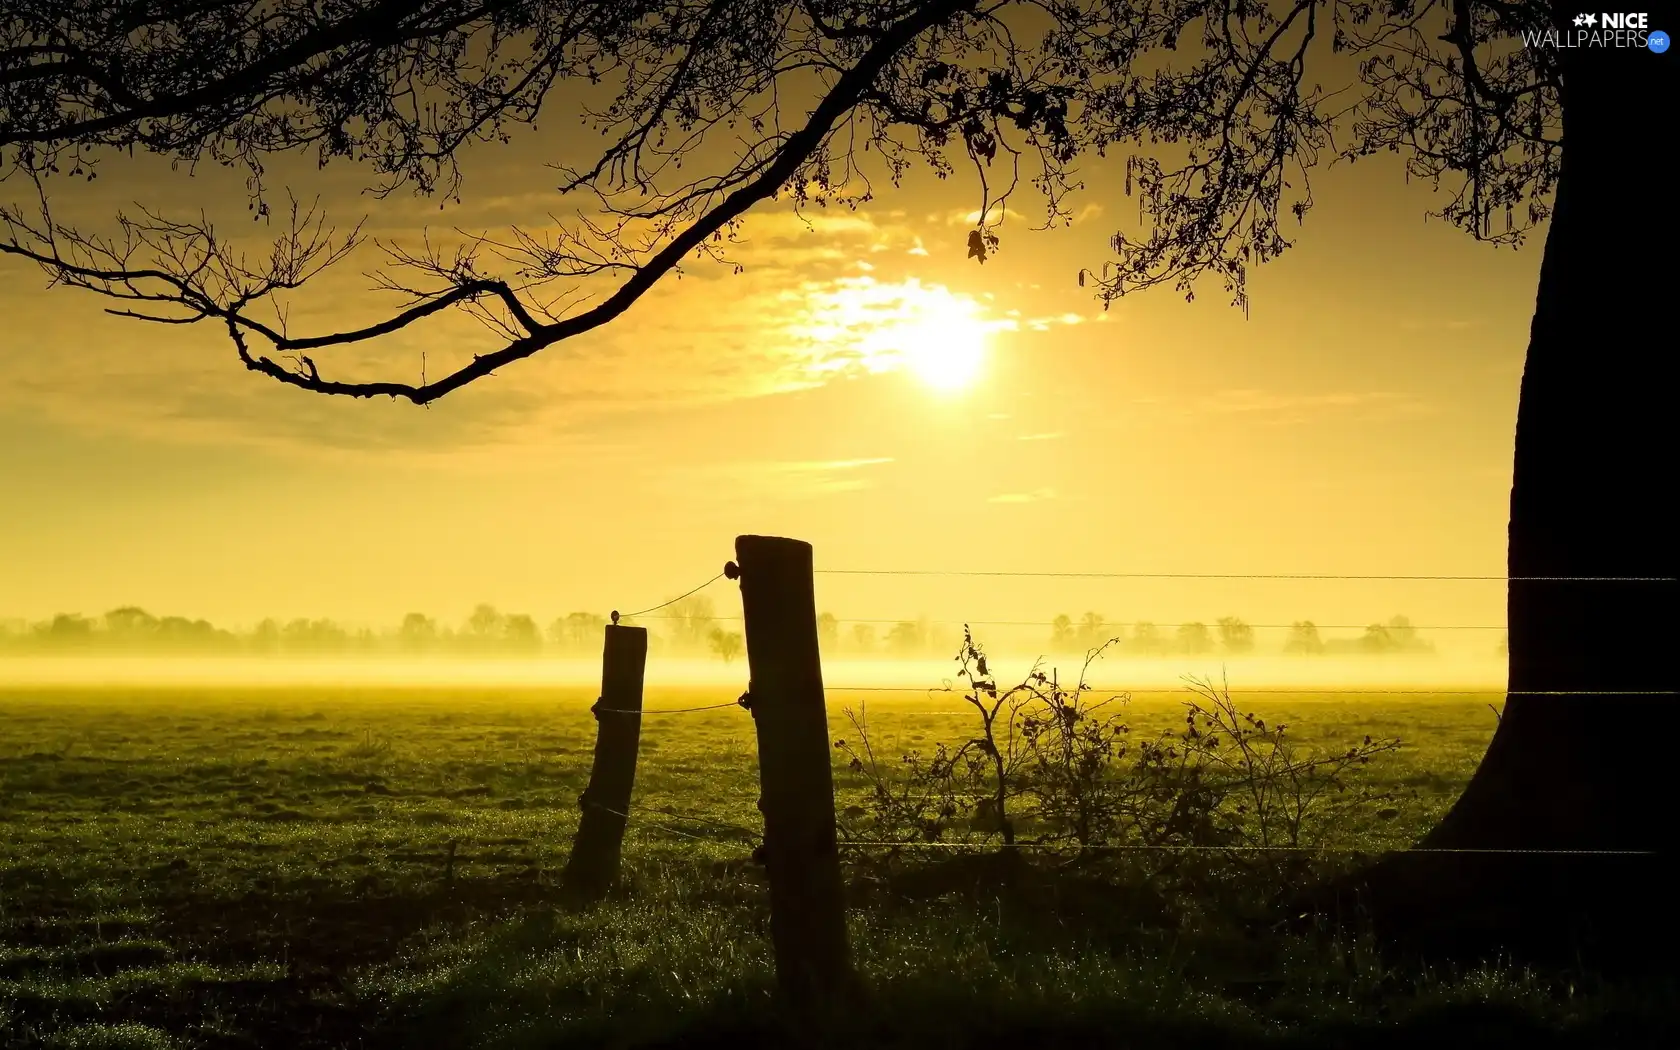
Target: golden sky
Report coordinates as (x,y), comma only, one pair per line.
(862,386)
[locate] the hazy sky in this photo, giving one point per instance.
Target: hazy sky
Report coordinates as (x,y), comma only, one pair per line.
(1358,421)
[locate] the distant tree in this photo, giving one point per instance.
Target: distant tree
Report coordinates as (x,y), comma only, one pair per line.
(418,631)
(66,629)
(726,644)
(692,620)
(828,631)
(1195,638)
(1237,637)
(304,635)
(577,632)
(1377,639)
(1061,634)
(1093,631)
(265,638)
(863,637)
(1406,637)
(520,633)
(178,632)
(485,624)
(130,621)
(1146,638)
(906,638)
(1303,638)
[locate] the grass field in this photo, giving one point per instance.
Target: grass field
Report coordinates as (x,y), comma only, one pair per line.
(292,867)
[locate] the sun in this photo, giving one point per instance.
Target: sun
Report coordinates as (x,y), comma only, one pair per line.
(944,344)
(939,336)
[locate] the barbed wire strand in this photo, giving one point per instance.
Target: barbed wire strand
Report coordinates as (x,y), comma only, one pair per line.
(617,615)
(1147,847)
(1137,847)
(740,829)
(663,710)
(1110,626)
(1444,691)
(929,690)
(676,816)
(1241,576)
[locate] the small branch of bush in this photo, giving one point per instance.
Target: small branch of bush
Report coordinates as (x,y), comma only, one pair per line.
(1051,767)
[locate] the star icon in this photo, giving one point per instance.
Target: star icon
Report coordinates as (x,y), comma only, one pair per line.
(1592,20)
(1580,20)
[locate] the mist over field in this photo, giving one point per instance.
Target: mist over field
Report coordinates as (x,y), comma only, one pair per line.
(1112,673)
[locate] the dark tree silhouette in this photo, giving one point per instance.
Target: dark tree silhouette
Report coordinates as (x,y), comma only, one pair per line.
(1522,133)
(900,80)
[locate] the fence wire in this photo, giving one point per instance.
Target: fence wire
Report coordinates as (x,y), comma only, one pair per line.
(756,836)
(1241,576)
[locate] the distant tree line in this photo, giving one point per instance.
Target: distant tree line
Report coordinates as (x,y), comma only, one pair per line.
(687,628)
(131,629)
(1228,635)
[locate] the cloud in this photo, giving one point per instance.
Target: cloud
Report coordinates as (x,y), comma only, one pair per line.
(1415,324)
(1044,324)
(784,479)
(828,464)
(1036,496)
(1298,407)
(971,216)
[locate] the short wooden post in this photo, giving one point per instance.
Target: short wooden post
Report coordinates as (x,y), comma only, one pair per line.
(801,855)
(605,803)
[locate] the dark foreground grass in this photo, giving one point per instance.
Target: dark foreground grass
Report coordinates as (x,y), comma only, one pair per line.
(318,868)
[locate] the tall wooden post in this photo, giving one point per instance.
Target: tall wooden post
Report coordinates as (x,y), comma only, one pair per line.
(593,864)
(801,856)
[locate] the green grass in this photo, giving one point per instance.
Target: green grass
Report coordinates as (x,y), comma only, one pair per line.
(267,868)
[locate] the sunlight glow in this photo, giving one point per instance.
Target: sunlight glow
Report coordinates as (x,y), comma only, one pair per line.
(861,324)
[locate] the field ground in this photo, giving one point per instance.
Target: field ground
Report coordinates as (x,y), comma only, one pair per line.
(272,868)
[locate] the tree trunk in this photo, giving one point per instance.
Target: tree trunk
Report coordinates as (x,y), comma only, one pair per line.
(1575,764)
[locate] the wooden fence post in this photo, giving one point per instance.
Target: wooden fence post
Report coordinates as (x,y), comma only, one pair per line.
(801,856)
(605,803)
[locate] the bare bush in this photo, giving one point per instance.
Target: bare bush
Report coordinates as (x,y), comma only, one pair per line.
(1051,767)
